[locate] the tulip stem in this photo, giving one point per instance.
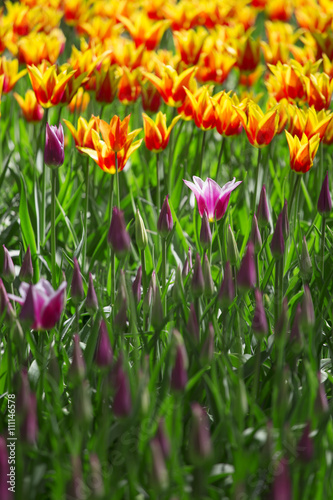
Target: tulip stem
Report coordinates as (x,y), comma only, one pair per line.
(256,370)
(257,181)
(171,150)
(53,227)
(202,153)
(164,266)
(9,360)
(43,214)
(144,275)
(111,198)
(321,166)
(278,263)
(117,179)
(296,183)
(220,156)
(323,231)
(158,187)
(86,204)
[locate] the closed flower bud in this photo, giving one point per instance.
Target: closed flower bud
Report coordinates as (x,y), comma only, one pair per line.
(296,338)
(148,297)
(305,448)
(157,318)
(193,325)
(179,371)
(140,232)
(307,310)
(259,322)
(122,403)
(5,305)
(227,291)
(8,270)
(263,212)
(165,221)
(246,277)
(282,323)
(200,445)
(277,243)
(325,201)
(120,319)
(27,272)
(103,353)
(232,249)
(91,300)
(285,220)
(187,264)
(205,232)
(178,292)
(305,265)
(321,403)
(207,351)
(77,369)
(282,488)
(82,407)
(207,275)
(163,438)
(77,292)
(136,285)
(29,426)
(54,153)
(118,237)
(198,284)
(255,236)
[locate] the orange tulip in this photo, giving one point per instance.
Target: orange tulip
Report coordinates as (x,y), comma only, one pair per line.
(151,99)
(297,121)
(82,136)
(184,15)
(260,127)
(38,47)
(215,66)
(116,134)
(189,43)
(203,109)
(157,134)
(317,123)
(279,10)
(284,113)
(129,87)
(9,70)
(31,109)
(1,85)
(124,53)
(302,152)
(319,91)
(48,86)
(285,82)
(144,31)
(79,102)
(171,85)
(248,52)
(228,122)
(107,80)
(313,18)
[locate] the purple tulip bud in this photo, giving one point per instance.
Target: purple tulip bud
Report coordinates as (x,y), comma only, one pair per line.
(255,236)
(232,249)
(136,285)
(193,325)
(29,427)
(122,403)
(321,403)
(200,444)
(118,237)
(282,488)
(157,317)
(27,272)
(77,369)
(198,284)
(120,320)
(91,300)
(5,305)
(207,275)
(77,292)
(5,493)
(163,439)
(165,221)
(296,339)
(179,371)
(103,352)
(54,153)
(187,264)
(159,470)
(305,265)
(285,220)
(277,243)
(282,323)
(325,201)
(96,477)
(307,310)
(259,322)
(205,232)
(305,448)
(8,270)
(246,277)
(263,212)
(227,291)
(207,351)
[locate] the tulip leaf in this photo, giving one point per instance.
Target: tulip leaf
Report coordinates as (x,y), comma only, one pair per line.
(179,230)
(27,229)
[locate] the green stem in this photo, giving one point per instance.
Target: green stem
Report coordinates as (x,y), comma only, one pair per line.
(257,270)
(43,214)
(144,275)
(117,180)
(323,231)
(257,181)
(202,153)
(257,370)
(53,227)
(158,184)
(220,156)
(86,205)
(111,198)
(296,183)
(164,267)
(9,360)
(321,167)
(278,263)
(171,149)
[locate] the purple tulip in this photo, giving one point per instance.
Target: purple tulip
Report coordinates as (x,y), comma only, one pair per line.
(246,277)
(103,352)
(281,489)
(200,444)
(91,300)
(212,198)
(259,322)
(263,211)
(8,271)
(165,221)
(27,271)
(118,237)
(325,201)
(41,305)
(54,153)
(179,372)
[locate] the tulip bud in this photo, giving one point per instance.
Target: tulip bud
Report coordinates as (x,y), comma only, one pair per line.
(96,479)
(179,371)
(54,153)
(159,472)
(27,272)
(91,300)
(282,323)
(200,445)
(29,427)
(5,305)
(321,403)
(255,236)
(282,488)
(227,291)
(122,403)
(147,298)
(136,285)
(296,339)
(82,407)
(77,369)
(5,493)
(165,221)
(178,287)
(305,448)
(198,284)
(207,275)
(205,232)
(120,319)
(187,264)
(277,243)
(232,249)
(77,291)
(157,317)
(324,205)
(285,220)
(103,353)
(193,325)
(207,351)
(307,310)
(163,438)
(259,322)
(118,237)
(246,277)
(263,212)
(140,232)
(27,314)
(8,270)
(305,265)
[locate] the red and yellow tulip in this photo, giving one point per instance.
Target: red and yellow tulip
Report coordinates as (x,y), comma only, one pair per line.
(82,135)
(302,152)
(31,109)
(157,134)
(260,127)
(48,85)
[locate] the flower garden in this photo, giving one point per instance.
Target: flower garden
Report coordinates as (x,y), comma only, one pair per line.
(166,251)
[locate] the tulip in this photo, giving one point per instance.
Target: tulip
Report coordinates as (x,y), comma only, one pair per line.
(232,248)
(140,232)
(77,292)
(8,269)
(305,265)
(179,372)
(212,198)
(163,439)
(159,470)
(136,285)
(260,127)
(118,237)
(207,351)
(103,353)
(205,232)
(157,134)
(91,300)
(143,30)
(259,322)
(207,275)
(302,152)
(246,277)
(48,85)
(26,272)
(41,304)
(54,154)
(165,221)
(187,264)
(305,447)
(227,291)
(107,81)
(29,427)
(282,488)
(82,136)
(263,211)
(193,325)
(200,444)
(31,109)
(277,243)
(255,235)
(122,403)
(116,134)
(77,369)
(5,305)
(324,205)
(307,310)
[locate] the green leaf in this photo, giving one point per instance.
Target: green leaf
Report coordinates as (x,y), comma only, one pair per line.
(27,230)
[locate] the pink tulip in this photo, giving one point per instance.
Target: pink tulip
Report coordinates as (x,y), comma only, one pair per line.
(41,305)
(212,198)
